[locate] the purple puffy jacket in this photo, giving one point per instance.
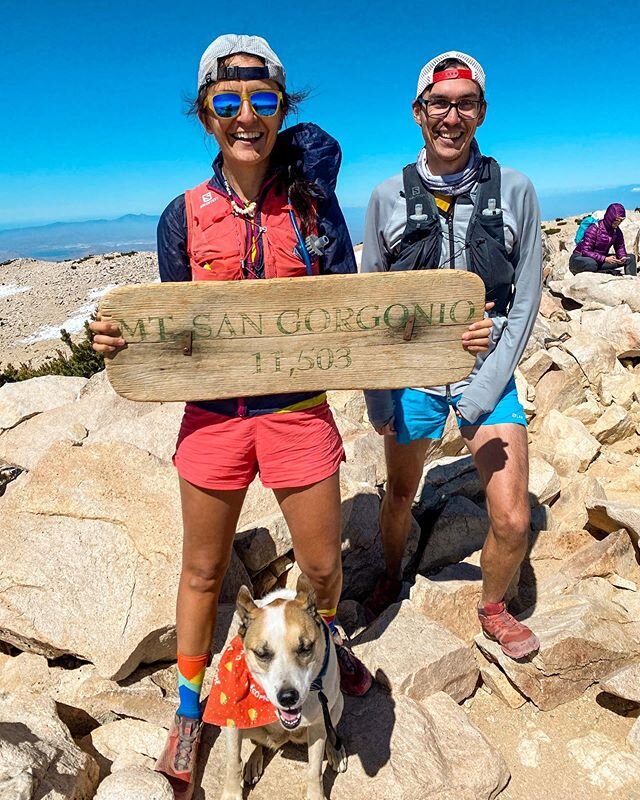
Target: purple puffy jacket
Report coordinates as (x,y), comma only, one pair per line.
(599,238)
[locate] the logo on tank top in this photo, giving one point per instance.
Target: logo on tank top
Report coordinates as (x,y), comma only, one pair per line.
(207,198)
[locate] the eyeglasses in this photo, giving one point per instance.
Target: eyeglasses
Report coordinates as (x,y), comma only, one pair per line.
(227,105)
(440,107)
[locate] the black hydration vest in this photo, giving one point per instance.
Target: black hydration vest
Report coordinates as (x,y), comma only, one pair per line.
(421,244)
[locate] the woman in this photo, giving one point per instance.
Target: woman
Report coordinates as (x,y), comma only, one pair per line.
(269,194)
(592,252)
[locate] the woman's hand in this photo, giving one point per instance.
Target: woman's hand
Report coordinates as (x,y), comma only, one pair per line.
(476,338)
(107,337)
(612,261)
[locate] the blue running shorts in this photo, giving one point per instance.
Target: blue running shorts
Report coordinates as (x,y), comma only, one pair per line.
(419,415)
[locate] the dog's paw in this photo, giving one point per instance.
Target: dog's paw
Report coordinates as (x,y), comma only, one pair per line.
(254,767)
(337,758)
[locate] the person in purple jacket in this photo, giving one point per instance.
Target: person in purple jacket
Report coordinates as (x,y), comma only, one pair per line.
(592,253)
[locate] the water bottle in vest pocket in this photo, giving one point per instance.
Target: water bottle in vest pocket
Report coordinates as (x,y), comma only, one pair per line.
(489,259)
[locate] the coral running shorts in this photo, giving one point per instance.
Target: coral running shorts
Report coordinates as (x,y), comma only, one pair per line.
(288,449)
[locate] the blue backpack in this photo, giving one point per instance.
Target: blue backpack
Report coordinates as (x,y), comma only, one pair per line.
(582,228)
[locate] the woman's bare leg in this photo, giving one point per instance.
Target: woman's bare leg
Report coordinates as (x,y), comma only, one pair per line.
(209,520)
(313,516)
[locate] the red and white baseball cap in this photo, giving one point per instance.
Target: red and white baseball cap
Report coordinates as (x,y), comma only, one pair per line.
(472,70)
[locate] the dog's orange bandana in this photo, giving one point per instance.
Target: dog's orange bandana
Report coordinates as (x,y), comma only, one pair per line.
(236,699)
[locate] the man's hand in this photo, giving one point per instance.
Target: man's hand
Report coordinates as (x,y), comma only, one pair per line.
(476,338)
(107,337)
(388,429)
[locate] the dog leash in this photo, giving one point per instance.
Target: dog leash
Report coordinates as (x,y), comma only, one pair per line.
(316,686)
(332,735)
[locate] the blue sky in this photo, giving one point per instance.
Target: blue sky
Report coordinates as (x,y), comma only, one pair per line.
(92,93)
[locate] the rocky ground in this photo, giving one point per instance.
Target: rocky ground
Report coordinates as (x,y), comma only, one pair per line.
(87,687)
(576,750)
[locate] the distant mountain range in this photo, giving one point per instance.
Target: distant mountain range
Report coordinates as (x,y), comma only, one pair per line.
(64,240)
(569,204)
(71,240)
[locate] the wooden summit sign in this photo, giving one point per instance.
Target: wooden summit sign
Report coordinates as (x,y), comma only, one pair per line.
(205,340)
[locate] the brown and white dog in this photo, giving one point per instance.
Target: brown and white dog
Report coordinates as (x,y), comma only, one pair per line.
(290,653)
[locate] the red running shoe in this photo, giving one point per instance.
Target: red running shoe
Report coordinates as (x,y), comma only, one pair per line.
(355,678)
(177,762)
(514,638)
(385,594)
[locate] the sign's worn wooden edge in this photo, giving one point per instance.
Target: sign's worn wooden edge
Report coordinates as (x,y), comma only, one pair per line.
(218,339)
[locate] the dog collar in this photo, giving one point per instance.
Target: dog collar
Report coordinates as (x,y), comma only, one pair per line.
(316,686)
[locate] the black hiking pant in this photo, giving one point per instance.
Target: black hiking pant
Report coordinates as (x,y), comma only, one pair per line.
(579,264)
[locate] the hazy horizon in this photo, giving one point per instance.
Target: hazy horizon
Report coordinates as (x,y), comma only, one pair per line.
(69,239)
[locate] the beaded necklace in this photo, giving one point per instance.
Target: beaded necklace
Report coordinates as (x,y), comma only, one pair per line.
(249,209)
(249,263)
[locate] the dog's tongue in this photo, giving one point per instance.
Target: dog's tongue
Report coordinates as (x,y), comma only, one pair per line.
(290,716)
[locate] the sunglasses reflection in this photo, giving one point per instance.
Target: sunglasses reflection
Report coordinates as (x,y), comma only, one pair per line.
(227,105)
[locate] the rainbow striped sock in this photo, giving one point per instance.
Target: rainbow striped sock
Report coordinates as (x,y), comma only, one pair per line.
(329,616)
(190,677)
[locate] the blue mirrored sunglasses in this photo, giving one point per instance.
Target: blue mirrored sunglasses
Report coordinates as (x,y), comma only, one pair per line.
(227,105)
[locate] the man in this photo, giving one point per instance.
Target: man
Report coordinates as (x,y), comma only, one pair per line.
(456,209)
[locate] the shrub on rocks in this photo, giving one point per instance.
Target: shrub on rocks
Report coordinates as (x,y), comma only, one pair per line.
(81,361)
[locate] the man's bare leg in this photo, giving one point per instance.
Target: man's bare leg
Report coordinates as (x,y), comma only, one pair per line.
(501,457)
(405,463)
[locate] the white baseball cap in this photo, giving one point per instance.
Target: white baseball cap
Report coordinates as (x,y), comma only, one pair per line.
(472,72)
(229,44)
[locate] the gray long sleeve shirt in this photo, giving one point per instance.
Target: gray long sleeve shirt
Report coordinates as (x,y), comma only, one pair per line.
(384,227)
